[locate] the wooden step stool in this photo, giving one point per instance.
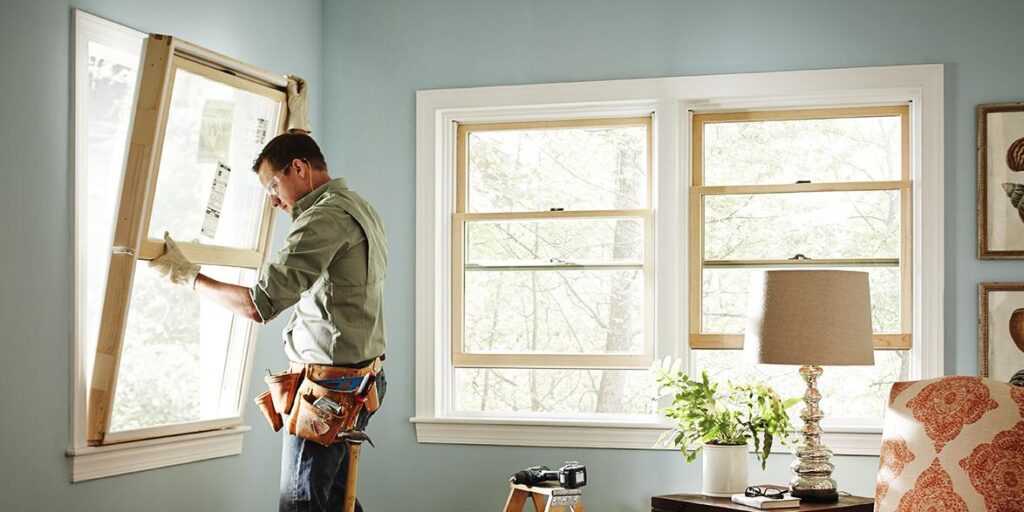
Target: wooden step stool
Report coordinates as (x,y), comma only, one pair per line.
(548,497)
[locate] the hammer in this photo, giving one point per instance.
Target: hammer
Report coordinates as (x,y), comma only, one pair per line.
(354,439)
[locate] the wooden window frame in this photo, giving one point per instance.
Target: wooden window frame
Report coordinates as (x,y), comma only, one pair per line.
(162,57)
(461,217)
(699,340)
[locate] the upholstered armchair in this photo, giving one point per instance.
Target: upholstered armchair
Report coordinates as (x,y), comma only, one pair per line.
(952,444)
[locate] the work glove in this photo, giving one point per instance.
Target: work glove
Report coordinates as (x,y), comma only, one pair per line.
(174,265)
(298,106)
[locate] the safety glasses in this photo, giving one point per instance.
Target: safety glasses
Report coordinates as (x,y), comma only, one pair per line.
(767,492)
(271,187)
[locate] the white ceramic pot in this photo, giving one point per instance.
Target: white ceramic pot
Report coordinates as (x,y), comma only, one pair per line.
(725,470)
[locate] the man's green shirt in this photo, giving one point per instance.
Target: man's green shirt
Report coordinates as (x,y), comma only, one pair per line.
(332,268)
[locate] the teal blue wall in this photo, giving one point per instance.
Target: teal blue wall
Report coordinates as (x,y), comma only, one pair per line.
(35,251)
(377,54)
(366,59)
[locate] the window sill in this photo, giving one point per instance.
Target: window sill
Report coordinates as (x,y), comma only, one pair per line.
(597,434)
(91,462)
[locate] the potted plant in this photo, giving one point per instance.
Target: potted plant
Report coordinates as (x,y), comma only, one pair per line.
(721,422)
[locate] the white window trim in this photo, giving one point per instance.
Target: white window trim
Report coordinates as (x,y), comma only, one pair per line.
(672,100)
(90,462)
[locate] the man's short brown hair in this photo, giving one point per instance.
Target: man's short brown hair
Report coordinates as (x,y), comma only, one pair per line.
(284,148)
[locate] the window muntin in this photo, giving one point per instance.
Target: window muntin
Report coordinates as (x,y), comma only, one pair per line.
(552,266)
(196,340)
(802,189)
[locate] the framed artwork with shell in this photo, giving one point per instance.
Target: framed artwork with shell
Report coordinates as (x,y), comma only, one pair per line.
(1001,330)
(1001,181)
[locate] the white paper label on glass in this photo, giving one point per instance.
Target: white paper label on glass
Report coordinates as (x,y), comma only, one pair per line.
(215,205)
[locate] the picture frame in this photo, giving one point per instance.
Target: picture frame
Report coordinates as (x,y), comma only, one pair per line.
(1000,330)
(1001,181)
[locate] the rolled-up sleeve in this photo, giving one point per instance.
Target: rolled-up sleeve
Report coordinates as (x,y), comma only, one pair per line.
(311,245)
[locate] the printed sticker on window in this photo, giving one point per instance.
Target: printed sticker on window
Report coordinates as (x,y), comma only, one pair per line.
(215,205)
(215,130)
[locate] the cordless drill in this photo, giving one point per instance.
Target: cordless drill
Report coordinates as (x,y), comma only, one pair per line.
(572,475)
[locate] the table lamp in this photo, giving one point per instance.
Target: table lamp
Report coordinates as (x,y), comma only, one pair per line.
(811,318)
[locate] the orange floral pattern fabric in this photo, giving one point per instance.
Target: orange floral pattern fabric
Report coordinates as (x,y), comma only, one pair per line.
(946,407)
(933,492)
(1017,394)
(896,389)
(894,457)
(952,444)
(996,470)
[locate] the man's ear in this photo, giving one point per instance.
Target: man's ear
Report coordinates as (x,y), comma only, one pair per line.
(301,166)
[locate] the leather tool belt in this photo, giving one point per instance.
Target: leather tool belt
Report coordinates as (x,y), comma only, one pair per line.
(320,401)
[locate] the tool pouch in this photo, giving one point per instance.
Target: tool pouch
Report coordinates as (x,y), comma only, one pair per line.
(266,404)
(318,425)
(282,387)
(372,399)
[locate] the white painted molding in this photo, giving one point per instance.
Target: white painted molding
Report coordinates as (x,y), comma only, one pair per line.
(569,434)
(89,463)
(672,100)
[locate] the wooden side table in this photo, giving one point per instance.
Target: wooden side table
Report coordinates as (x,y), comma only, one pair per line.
(701,503)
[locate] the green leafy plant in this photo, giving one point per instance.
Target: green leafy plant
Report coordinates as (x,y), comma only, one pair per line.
(733,416)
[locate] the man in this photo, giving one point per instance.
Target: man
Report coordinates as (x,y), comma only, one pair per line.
(332,268)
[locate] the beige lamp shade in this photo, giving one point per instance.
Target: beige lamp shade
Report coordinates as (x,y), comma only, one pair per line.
(810,317)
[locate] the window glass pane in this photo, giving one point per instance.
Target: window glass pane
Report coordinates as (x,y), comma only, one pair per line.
(551,241)
(108,106)
(818,225)
(540,392)
(182,357)
(570,311)
(210,122)
(820,150)
(852,393)
(592,168)
(724,300)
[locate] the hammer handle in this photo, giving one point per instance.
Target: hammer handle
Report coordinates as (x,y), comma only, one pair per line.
(350,481)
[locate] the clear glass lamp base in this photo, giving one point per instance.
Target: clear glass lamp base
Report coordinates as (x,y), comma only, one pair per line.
(812,470)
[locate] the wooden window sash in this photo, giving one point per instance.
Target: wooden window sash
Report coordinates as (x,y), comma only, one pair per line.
(806,263)
(699,340)
(205,254)
(173,429)
(461,217)
(704,341)
(795,188)
(552,360)
(162,56)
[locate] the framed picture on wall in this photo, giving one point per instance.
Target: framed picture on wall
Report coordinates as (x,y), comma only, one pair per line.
(1001,330)
(1001,181)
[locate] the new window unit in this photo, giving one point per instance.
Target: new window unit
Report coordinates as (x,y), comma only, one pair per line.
(166,132)
(799,189)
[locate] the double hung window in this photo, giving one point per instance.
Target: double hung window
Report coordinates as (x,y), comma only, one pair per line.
(166,132)
(552,268)
(793,190)
(554,262)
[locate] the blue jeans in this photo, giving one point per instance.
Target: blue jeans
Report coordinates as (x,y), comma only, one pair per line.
(312,475)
